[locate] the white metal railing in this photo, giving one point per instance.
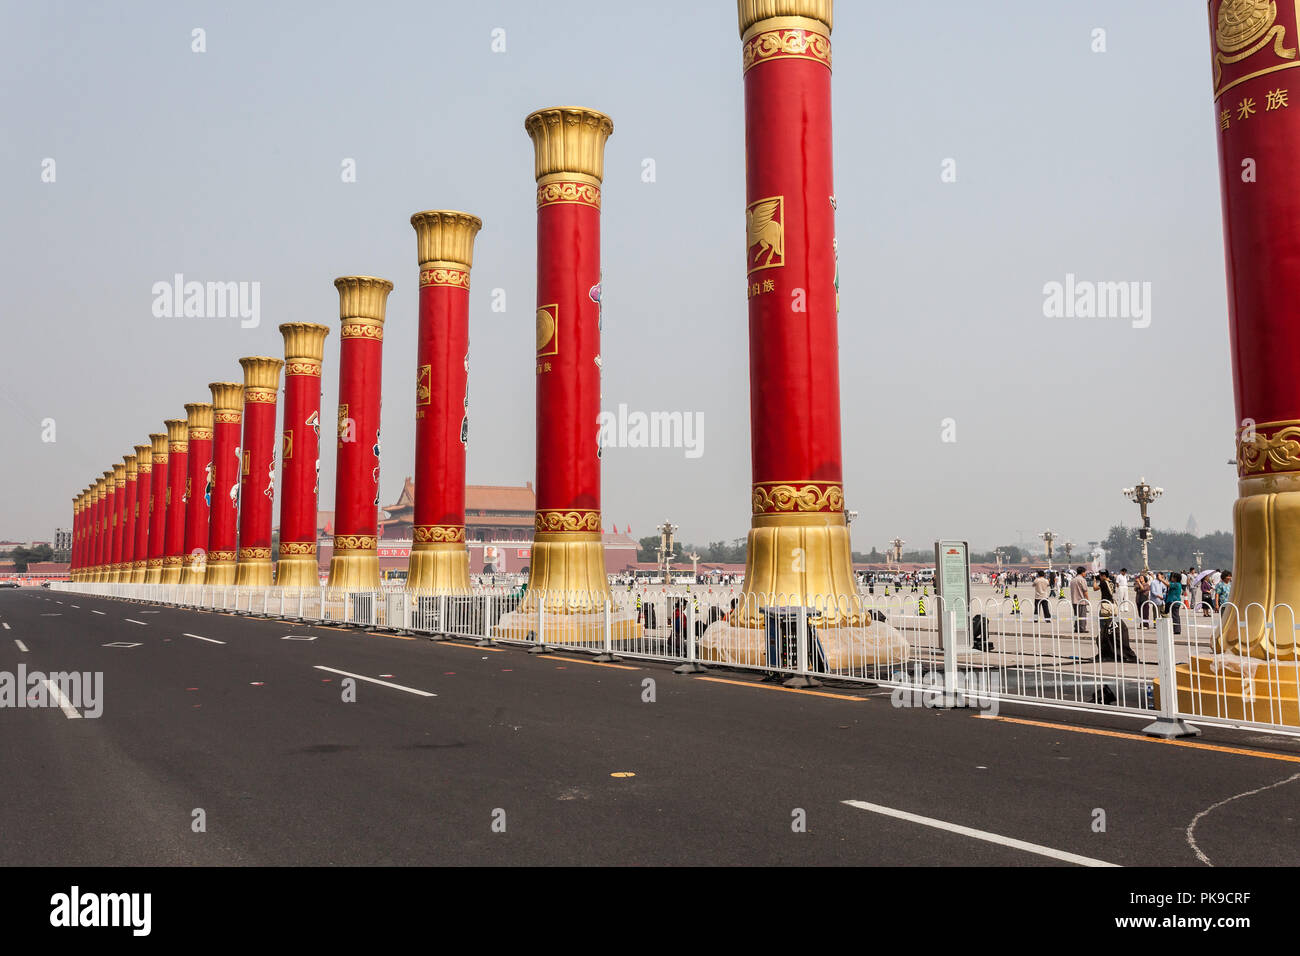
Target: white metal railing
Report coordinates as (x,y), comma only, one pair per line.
(1173,664)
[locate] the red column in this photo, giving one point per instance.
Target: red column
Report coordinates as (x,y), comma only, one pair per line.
(117,523)
(799,541)
(177,472)
(157,509)
(223,490)
(439,560)
(257,475)
(569,148)
(75,565)
(144,480)
(355,561)
(1257,115)
(304,348)
(129,516)
(104,542)
(199,467)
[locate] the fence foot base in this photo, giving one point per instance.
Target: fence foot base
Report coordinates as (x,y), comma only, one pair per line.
(691,667)
(486,642)
(605,657)
(802,682)
(539,649)
(1171,728)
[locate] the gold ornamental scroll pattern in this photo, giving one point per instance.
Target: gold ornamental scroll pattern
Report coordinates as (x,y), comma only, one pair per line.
(1248,32)
(796,43)
(216,557)
(254,554)
(344,543)
(567,520)
(1268,448)
(572,193)
(302,368)
(781,497)
(259,396)
(455,278)
(223,417)
(292,548)
(362,330)
(439,533)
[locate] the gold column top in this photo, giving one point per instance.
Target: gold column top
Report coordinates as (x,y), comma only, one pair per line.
(159,440)
(227,396)
(119,475)
(131,472)
(261,371)
(178,432)
(569,139)
(751,12)
(198,415)
(445,235)
(363,297)
(101,486)
(144,459)
(304,342)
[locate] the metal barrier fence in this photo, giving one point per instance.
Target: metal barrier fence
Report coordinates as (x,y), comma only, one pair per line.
(1162,663)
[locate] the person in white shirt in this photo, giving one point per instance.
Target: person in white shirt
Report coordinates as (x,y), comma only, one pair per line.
(1122,592)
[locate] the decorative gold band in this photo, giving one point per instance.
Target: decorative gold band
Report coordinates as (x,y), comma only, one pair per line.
(456,278)
(362,330)
(221,557)
(791,42)
(587,521)
(583,194)
(355,542)
(1268,448)
(228,418)
(259,396)
(138,565)
(172,561)
(771,497)
(439,532)
(254,554)
(200,434)
(302,368)
(154,563)
(289,548)
(144,470)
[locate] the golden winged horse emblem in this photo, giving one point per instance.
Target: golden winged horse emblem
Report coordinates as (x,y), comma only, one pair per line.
(765,228)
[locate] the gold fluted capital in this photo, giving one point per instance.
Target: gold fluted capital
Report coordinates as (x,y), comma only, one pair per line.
(130,467)
(363,297)
(445,235)
(756,11)
(261,371)
(119,476)
(199,416)
(304,342)
(178,431)
(569,139)
(144,459)
(159,440)
(227,396)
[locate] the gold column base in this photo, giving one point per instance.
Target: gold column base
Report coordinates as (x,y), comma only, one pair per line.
(171,569)
(569,568)
(355,570)
(567,626)
(254,573)
(220,574)
(846,650)
(1265,569)
(1231,687)
(438,566)
(195,571)
(297,570)
(153,571)
(801,559)
(138,569)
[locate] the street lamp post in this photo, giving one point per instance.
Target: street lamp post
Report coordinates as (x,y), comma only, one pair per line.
(1200,560)
(665,549)
(897,545)
(1049,536)
(1069,550)
(1143,494)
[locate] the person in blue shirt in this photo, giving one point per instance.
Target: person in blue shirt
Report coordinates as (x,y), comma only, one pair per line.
(1174,600)
(1223,590)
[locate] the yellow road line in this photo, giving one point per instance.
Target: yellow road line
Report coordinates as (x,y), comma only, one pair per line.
(1240,751)
(472,647)
(579,660)
(788,690)
(400,637)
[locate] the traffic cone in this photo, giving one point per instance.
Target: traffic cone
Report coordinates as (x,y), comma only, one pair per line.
(920,606)
(1015,604)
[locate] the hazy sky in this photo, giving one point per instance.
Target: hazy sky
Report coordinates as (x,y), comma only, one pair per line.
(226,165)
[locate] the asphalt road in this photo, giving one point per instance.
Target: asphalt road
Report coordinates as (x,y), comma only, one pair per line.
(552,759)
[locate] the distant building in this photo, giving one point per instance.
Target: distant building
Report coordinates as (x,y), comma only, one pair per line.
(1191,526)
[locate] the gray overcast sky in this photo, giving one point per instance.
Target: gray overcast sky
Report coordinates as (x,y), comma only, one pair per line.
(226,165)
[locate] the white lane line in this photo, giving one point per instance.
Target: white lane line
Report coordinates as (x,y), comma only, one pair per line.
(93,611)
(77,606)
(65,705)
(978,834)
(21,646)
(372,680)
(131,620)
(6,627)
(200,637)
(1191,828)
